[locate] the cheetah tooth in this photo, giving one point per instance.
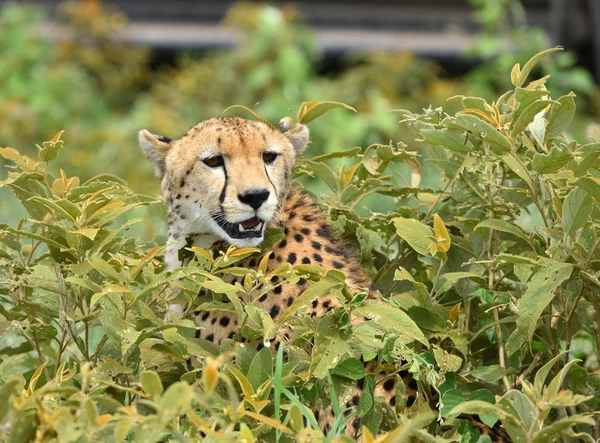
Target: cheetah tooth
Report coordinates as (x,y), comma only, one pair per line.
(241,228)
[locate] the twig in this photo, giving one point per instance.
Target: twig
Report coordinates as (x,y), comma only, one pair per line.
(500,347)
(530,368)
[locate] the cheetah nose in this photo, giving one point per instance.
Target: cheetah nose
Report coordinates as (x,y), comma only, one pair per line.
(254,197)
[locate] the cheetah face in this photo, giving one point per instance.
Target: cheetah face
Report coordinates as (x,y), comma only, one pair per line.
(227,177)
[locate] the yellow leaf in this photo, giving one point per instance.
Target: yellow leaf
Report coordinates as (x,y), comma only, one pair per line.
(111,287)
(481,114)
(242,251)
(346,176)
(210,374)
(262,266)
(34,378)
(101,420)
(203,253)
(454,314)
(442,238)
(258,405)
(87,232)
(367,435)
(203,426)
(247,435)
(269,421)
(247,388)
(129,410)
(296,418)
(112,205)
(57,136)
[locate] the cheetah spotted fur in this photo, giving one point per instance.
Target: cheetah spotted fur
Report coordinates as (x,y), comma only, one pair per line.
(228,179)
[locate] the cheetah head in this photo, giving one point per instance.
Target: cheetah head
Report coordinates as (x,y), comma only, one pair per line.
(227,177)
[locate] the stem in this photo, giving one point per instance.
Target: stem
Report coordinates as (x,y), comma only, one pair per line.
(34,247)
(103,340)
(87,341)
(437,200)
(597,312)
(437,276)
(362,196)
(500,347)
(530,368)
(39,353)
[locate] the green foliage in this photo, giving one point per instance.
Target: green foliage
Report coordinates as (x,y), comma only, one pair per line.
(483,280)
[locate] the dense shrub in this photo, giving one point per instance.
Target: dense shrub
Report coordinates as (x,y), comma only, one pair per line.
(490,288)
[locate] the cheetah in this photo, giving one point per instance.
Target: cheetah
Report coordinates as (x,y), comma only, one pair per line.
(228,179)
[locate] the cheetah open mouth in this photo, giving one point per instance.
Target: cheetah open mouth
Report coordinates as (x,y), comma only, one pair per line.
(245,229)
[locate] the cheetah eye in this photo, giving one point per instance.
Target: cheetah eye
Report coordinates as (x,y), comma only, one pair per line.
(269,157)
(213,162)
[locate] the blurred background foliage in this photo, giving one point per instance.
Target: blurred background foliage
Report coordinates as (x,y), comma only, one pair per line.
(103,91)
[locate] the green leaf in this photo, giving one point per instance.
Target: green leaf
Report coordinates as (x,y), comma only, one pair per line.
(427,319)
(449,279)
(520,405)
(326,285)
(151,383)
(84,283)
(503,226)
(490,373)
(177,341)
(557,381)
(542,374)
(49,150)
(591,185)
(487,396)
(512,423)
(453,140)
(485,131)
(329,347)
(526,97)
(261,368)
(348,153)
(451,399)
(576,210)
(105,269)
(418,235)
(446,361)
(590,154)
(552,431)
(560,116)
(54,208)
(324,173)
(174,401)
(533,61)
(350,368)
(367,399)
(395,320)
(528,115)
(551,162)
(23,426)
(315,109)
(517,167)
(8,389)
(539,293)
(272,236)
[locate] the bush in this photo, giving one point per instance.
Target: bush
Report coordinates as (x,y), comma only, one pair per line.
(490,286)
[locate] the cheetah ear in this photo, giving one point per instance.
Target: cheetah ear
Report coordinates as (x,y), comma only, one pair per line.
(298,135)
(155,148)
